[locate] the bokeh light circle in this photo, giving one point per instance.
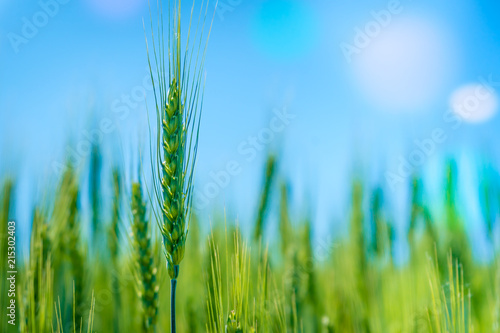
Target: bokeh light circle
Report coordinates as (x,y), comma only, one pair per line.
(474,103)
(404,66)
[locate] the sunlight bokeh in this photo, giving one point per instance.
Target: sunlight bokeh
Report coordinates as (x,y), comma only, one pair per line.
(475,102)
(405,66)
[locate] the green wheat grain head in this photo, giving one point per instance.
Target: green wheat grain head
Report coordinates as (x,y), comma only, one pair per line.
(37,293)
(177,80)
(68,248)
(144,259)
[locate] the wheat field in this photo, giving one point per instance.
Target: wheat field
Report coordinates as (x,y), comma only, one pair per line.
(116,280)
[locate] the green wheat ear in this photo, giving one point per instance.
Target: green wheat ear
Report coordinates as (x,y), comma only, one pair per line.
(173,181)
(148,288)
(178,93)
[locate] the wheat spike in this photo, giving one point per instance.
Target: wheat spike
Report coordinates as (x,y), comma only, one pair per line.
(148,289)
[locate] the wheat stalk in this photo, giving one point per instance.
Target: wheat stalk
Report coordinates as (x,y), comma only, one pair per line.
(114,241)
(36,295)
(114,231)
(65,233)
(284,221)
(178,96)
(144,260)
(264,198)
(94,189)
(74,254)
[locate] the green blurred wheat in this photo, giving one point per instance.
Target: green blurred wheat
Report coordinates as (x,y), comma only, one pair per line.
(147,272)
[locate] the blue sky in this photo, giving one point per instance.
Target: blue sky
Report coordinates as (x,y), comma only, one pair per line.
(360,115)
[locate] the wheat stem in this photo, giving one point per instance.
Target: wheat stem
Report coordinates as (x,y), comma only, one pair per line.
(264,198)
(173,287)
